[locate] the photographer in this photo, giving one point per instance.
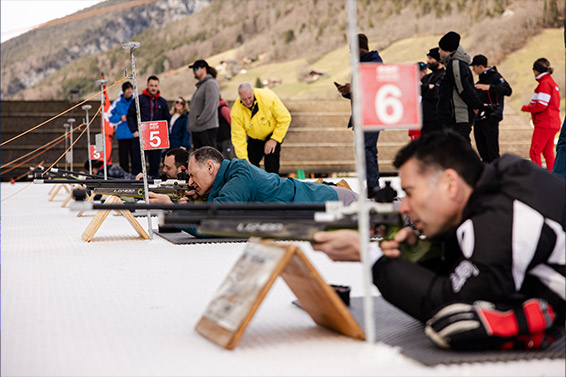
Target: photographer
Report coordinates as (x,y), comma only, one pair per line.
(491,88)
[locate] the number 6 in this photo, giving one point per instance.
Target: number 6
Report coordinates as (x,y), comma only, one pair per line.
(387,97)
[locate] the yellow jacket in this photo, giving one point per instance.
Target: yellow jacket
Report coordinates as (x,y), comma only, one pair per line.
(272,117)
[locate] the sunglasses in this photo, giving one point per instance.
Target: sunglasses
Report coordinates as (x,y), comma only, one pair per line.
(180,102)
(195,68)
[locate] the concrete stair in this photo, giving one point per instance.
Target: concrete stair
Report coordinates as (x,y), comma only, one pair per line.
(318,139)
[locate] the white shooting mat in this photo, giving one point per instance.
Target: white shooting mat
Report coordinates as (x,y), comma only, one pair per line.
(121,306)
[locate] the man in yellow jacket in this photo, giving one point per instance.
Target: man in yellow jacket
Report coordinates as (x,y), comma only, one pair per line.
(259,124)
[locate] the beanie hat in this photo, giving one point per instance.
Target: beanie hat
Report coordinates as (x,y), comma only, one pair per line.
(450,41)
(433,53)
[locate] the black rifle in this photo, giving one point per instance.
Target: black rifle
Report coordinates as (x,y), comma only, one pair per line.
(288,221)
(123,187)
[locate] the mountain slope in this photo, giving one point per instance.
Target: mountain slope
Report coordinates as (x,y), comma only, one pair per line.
(283,32)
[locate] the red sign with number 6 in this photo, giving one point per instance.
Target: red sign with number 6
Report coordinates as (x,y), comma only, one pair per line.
(155,135)
(390,96)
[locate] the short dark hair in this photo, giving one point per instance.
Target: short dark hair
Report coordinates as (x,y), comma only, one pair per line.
(204,154)
(181,156)
(152,77)
(126,85)
(363,42)
(443,150)
(96,164)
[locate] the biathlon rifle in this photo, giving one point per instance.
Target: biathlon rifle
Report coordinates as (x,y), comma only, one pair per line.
(284,221)
(125,188)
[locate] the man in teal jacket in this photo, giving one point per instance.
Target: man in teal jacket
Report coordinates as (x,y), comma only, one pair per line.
(238,181)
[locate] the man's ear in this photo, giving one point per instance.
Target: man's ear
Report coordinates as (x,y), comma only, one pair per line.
(209,166)
(453,181)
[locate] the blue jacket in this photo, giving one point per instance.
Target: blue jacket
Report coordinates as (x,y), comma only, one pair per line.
(239,181)
(179,135)
(118,108)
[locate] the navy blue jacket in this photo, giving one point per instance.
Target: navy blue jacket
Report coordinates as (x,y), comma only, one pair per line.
(179,136)
(370,57)
(151,108)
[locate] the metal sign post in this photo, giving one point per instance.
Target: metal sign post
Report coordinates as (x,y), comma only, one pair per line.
(131,46)
(66,126)
(71,121)
(363,214)
(87,108)
(102,83)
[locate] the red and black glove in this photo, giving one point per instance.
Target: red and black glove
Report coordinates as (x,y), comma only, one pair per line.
(482,326)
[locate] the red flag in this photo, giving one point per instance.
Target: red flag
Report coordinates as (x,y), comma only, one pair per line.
(109,130)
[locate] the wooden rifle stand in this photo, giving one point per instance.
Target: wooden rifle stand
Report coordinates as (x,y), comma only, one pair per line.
(57,188)
(90,198)
(238,298)
(99,218)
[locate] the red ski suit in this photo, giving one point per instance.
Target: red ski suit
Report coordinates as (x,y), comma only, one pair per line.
(545,111)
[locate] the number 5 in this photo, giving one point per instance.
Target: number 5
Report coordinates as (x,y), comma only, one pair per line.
(387,97)
(154,139)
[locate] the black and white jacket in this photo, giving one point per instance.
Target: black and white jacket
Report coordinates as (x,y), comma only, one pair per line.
(510,246)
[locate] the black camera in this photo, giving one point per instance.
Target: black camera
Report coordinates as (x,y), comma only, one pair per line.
(488,110)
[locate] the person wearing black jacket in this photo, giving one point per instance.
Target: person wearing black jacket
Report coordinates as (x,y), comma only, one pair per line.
(499,231)
(152,107)
(491,88)
(430,85)
(458,100)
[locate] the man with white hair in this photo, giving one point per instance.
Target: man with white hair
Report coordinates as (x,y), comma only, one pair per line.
(259,124)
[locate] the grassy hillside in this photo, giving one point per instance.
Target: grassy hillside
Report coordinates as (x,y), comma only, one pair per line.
(292,37)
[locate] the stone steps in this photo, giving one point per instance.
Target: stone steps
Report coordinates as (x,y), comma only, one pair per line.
(318,139)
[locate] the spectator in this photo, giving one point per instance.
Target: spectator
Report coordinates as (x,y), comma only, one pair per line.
(118,117)
(430,85)
(491,88)
(259,124)
(458,101)
(152,107)
(224,137)
(203,117)
(179,136)
(370,138)
(545,112)
(415,134)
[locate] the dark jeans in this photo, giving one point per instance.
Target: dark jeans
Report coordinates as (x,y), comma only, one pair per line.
(256,154)
(206,138)
(486,133)
(463,129)
(152,156)
(372,168)
(126,152)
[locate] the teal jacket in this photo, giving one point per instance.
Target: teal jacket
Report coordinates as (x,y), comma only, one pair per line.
(238,181)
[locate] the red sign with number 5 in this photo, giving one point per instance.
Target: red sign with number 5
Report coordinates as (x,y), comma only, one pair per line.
(155,135)
(390,96)
(94,154)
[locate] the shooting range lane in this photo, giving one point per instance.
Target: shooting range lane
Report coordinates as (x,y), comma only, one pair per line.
(123,306)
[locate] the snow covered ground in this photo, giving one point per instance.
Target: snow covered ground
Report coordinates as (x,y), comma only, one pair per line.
(122,306)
